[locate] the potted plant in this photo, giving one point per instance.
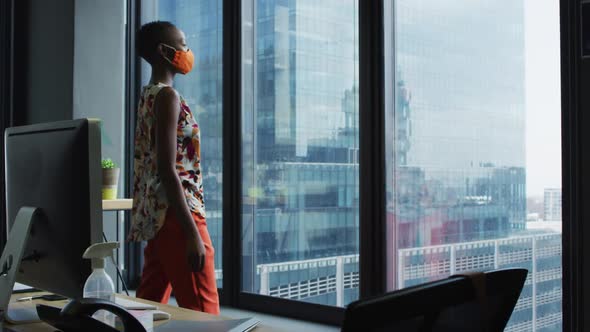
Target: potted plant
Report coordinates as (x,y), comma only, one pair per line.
(110,179)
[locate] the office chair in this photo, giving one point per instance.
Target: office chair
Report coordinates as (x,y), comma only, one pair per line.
(452,304)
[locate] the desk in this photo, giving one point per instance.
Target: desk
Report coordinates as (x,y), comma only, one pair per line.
(176,312)
(119,206)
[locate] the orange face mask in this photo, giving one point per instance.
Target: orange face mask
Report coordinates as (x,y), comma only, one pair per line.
(183,60)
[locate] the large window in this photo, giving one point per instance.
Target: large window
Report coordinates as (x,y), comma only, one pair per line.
(474,135)
(201,21)
(300,150)
(471,96)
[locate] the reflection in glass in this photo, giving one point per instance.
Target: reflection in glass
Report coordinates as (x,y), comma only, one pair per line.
(300,149)
(456,160)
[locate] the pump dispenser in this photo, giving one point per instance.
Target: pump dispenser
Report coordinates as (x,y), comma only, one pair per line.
(99,284)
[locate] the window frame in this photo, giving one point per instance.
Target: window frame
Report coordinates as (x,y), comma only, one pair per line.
(232,151)
(575,171)
(372,204)
(132,250)
(372,177)
(6,90)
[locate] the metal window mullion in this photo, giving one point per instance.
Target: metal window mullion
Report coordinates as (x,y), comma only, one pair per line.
(232,152)
(572,169)
(372,149)
(132,251)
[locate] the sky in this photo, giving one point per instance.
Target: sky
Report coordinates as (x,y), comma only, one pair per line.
(543,96)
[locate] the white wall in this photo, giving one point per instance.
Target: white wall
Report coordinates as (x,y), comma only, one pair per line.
(75,65)
(99,70)
(49,73)
(75,68)
(99,83)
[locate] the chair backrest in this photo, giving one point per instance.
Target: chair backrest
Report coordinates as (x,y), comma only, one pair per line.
(446,305)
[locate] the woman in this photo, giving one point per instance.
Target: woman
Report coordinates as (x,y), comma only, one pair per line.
(168,204)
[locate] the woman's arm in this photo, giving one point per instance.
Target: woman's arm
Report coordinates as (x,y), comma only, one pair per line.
(167,110)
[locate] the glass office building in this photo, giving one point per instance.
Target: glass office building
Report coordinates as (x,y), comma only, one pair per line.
(459,121)
(457,196)
(552,203)
(301,155)
(457,201)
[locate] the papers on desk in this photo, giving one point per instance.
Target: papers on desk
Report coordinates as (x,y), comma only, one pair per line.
(232,325)
(21,288)
(134,305)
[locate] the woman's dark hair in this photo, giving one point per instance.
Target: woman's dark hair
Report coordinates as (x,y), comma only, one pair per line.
(149,36)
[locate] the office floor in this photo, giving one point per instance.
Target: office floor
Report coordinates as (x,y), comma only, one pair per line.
(285,324)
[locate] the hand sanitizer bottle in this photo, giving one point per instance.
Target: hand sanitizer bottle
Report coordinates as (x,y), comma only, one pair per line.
(99,284)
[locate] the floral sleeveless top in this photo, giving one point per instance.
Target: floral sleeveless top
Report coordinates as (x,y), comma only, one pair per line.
(149,198)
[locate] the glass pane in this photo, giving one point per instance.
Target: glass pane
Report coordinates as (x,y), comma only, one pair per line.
(201,21)
(300,150)
(474,159)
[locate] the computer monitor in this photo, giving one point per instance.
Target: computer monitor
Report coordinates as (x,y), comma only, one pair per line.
(55,167)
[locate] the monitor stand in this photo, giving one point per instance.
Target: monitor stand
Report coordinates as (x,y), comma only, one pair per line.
(9,266)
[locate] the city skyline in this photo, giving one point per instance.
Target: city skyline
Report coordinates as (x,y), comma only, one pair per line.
(458,148)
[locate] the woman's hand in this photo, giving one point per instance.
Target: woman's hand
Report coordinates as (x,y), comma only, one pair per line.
(195,252)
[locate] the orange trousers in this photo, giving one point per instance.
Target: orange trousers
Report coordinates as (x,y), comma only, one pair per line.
(166,268)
